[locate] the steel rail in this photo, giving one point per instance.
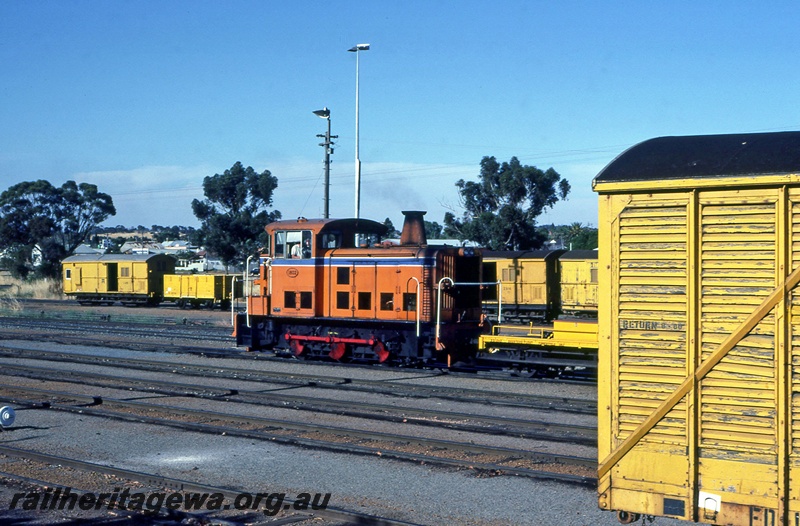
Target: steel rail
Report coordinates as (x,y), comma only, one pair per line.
(91,403)
(222,336)
(177,329)
(552,431)
(387,387)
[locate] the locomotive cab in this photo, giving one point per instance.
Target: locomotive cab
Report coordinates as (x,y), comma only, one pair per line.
(292,278)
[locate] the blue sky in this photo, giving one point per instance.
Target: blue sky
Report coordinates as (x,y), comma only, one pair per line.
(146,98)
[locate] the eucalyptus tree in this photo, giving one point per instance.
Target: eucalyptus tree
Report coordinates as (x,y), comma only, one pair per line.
(500,209)
(39,218)
(234,212)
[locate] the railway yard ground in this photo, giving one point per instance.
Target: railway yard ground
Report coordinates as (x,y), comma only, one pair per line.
(158,403)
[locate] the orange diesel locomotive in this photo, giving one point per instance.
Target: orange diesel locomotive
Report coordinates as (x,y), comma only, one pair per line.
(330,288)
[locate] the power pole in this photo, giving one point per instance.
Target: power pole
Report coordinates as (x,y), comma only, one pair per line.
(325,113)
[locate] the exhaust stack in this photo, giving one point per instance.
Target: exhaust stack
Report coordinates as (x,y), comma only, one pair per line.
(413,229)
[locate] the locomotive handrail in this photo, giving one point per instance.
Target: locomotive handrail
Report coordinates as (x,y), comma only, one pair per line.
(439,302)
(418,302)
(499,284)
(247,289)
(233,297)
(439,309)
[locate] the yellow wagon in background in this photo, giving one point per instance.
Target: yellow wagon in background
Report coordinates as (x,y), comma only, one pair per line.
(578,276)
(132,279)
(528,285)
(202,290)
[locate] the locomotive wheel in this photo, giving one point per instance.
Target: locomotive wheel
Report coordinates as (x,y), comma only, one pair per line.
(381,352)
(297,348)
(337,351)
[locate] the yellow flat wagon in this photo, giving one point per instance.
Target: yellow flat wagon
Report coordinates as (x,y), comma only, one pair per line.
(699,330)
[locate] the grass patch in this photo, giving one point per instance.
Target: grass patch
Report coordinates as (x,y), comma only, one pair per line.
(42,289)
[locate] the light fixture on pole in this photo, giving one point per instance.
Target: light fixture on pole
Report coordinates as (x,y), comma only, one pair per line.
(355,49)
(325,113)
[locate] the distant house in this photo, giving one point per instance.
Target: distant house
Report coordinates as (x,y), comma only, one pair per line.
(141,247)
(215,264)
(180,245)
(195,263)
(86,249)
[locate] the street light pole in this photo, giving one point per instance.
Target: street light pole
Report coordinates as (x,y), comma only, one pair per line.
(325,113)
(355,49)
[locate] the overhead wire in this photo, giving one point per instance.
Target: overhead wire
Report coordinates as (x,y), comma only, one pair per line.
(459,170)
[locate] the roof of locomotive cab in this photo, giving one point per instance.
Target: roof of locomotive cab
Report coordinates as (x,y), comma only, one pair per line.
(706,156)
(318,225)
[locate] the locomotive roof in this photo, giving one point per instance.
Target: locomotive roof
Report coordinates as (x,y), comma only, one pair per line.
(701,156)
(317,225)
(111,258)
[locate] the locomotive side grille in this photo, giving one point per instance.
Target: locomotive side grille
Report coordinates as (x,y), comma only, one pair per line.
(427,300)
(446,263)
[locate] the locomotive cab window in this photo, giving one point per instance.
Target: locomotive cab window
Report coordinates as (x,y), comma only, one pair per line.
(294,244)
(280,244)
(331,240)
(368,240)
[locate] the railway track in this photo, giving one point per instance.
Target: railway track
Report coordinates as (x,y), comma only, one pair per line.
(85,330)
(396,388)
(488,459)
(177,333)
(468,422)
(236,398)
(18,364)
